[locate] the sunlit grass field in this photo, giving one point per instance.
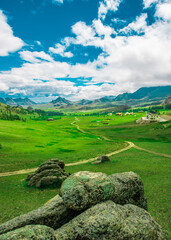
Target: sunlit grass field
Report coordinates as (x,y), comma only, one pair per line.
(28,144)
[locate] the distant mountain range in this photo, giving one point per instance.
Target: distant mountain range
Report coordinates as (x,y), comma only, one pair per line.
(146,93)
(61,102)
(17,101)
(168,100)
(143,96)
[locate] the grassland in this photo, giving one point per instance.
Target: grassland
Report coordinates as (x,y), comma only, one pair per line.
(27,144)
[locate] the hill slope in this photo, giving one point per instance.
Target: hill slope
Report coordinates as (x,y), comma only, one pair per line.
(146,93)
(17,101)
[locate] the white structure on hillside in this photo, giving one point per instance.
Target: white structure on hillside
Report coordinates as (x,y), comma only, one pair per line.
(150,118)
(153,117)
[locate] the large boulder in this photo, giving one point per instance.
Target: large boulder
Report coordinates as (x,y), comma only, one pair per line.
(53,214)
(85,189)
(29,233)
(49,173)
(109,221)
(128,189)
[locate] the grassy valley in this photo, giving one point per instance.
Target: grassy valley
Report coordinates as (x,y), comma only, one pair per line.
(73,137)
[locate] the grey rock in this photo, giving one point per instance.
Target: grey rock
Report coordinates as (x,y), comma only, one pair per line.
(53,214)
(128,189)
(85,189)
(109,221)
(102,159)
(49,173)
(29,233)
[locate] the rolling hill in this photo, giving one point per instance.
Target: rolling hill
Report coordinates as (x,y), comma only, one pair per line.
(142,97)
(146,93)
(17,101)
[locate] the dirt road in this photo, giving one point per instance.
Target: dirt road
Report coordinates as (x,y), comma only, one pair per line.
(129,145)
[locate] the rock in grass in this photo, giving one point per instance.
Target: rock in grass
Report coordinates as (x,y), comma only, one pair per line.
(109,221)
(30,232)
(128,189)
(49,173)
(85,189)
(102,159)
(53,214)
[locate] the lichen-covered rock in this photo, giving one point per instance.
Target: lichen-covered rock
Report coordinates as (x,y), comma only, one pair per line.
(102,159)
(30,232)
(109,221)
(49,173)
(85,189)
(129,189)
(53,214)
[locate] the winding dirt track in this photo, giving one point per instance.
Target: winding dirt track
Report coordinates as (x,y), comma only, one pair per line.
(129,145)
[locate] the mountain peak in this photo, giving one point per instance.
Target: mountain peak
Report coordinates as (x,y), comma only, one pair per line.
(61,101)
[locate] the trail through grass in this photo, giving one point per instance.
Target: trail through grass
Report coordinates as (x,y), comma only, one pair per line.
(26,145)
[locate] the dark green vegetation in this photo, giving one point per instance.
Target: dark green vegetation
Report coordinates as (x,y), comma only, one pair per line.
(28,144)
(12,113)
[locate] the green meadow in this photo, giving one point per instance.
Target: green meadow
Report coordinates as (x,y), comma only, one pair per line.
(28,144)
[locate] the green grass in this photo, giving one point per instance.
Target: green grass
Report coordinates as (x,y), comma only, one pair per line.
(97,121)
(16,198)
(27,144)
(154,172)
(156,132)
(160,147)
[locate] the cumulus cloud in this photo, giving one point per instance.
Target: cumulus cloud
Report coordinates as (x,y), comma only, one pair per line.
(148,3)
(102,29)
(106,6)
(164,11)
(127,61)
(61,50)
(35,57)
(84,34)
(139,25)
(8,42)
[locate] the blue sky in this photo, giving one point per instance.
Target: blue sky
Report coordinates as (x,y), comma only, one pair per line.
(83,48)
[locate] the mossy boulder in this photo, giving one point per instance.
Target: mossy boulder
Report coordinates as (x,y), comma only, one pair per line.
(128,189)
(49,173)
(108,221)
(85,189)
(54,214)
(102,159)
(30,232)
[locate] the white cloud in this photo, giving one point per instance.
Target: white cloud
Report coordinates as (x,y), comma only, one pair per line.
(102,29)
(84,33)
(61,50)
(164,11)
(8,42)
(126,63)
(38,43)
(58,1)
(148,3)
(107,5)
(35,57)
(139,25)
